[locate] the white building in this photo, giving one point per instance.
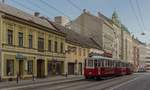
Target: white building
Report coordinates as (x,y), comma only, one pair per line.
(144,57)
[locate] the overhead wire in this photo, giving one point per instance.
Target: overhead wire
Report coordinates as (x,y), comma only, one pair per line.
(140,14)
(135,14)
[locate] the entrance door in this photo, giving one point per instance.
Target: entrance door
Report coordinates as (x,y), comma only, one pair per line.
(71,67)
(58,68)
(50,68)
(80,68)
(21,68)
(40,68)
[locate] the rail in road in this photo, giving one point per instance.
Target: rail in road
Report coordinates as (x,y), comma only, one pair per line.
(78,84)
(98,85)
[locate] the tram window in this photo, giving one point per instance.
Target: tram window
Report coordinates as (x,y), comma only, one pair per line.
(90,63)
(106,63)
(109,63)
(101,63)
(95,63)
(85,63)
(98,63)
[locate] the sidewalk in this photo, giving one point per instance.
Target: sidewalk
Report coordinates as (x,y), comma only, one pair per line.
(43,80)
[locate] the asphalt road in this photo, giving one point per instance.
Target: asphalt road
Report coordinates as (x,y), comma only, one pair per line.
(138,81)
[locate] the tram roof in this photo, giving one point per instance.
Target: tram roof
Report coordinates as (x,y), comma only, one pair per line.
(98,57)
(101,57)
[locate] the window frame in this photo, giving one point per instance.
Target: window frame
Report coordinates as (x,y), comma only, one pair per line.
(20,39)
(50,45)
(40,44)
(11,68)
(30,67)
(30,41)
(10,37)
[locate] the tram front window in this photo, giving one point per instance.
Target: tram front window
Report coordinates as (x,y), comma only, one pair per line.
(90,63)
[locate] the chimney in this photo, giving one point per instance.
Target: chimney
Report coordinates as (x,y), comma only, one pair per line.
(84,10)
(99,14)
(62,20)
(36,14)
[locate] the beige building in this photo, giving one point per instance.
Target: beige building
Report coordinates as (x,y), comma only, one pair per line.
(118,36)
(29,45)
(99,28)
(136,46)
(127,45)
(142,56)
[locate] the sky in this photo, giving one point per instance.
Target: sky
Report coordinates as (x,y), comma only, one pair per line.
(135,16)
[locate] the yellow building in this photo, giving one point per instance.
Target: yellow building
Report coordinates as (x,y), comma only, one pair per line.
(29,45)
(78,47)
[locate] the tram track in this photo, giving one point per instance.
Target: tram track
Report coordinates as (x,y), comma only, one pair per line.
(109,85)
(77,84)
(90,84)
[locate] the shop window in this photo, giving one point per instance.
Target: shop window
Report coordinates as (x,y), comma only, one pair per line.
(30,67)
(10,37)
(10,67)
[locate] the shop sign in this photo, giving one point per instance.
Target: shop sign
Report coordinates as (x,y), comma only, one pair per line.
(19,56)
(96,51)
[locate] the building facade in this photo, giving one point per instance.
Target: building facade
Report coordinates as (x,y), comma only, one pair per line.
(147,58)
(127,45)
(99,28)
(142,57)
(77,49)
(136,45)
(118,36)
(29,45)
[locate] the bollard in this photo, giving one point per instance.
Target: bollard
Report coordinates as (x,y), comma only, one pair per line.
(66,75)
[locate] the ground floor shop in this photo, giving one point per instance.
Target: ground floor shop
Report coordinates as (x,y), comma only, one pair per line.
(75,68)
(25,65)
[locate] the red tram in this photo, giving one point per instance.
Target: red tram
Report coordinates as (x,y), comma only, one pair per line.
(98,66)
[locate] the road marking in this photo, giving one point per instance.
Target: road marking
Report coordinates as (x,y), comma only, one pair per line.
(127,82)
